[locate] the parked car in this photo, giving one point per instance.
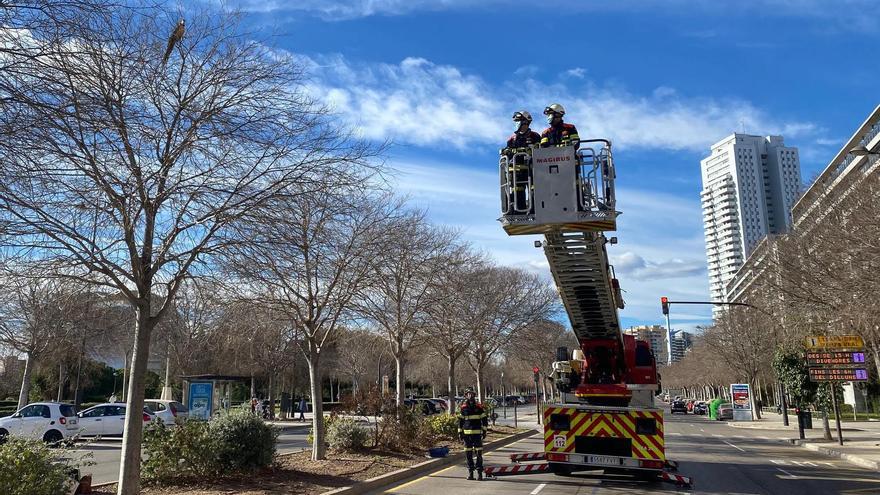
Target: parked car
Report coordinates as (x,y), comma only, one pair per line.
(701,408)
(170,412)
(106,420)
(428,406)
(441,404)
(48,421)
(725,411)
(679,406)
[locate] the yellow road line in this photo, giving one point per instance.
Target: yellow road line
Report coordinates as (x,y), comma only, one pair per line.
(398,487)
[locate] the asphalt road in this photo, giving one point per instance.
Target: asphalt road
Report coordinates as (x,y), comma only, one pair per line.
(106,453)
(721,459)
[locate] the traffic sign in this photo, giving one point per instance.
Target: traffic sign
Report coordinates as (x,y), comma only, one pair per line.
(835,342)
(838,374)
(847,359)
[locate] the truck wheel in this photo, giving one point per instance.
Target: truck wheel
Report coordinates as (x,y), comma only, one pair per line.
(560,469)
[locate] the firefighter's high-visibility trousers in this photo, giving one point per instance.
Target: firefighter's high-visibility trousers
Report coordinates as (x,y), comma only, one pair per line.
(473,447)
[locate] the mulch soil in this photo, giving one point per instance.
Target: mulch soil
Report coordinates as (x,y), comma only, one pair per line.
(297,473)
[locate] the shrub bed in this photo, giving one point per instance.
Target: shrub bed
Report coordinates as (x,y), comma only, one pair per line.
(29,467)
(229,444)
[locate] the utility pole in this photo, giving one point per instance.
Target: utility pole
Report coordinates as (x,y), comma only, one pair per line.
(536,370)
(837,413)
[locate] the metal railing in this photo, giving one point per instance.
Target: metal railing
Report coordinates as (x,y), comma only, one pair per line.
(512,183)
(595,178)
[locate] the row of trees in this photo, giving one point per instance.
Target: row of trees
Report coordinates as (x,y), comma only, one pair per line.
(138,165)
(820,279)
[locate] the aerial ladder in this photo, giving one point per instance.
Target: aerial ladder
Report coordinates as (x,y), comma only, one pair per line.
(605,424)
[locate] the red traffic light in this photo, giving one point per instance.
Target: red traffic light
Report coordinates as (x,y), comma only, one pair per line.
(535,370)
(664,303)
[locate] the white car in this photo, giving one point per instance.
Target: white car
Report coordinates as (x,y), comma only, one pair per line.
(106,420)
(170,412)
(48,421)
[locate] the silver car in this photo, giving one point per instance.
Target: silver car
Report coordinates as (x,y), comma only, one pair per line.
(170,412)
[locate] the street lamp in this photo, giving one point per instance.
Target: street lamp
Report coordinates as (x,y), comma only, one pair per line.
(863,151)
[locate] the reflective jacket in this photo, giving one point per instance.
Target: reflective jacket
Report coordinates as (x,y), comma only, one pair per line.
(472,419)
(523,140)
(562,134)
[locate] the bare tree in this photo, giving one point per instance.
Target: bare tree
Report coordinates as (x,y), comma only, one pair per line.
(126,172)
(309,258)
(404,273)
(453,312)
(511,300)
(34,317)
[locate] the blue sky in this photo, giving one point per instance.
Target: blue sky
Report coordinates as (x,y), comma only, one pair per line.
(662,79)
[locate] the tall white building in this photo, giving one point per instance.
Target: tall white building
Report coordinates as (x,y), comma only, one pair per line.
(655,336)
(750,184)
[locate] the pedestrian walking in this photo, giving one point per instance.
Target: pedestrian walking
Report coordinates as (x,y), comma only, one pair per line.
(302,408)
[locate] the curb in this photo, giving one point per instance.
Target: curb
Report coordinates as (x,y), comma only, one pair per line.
(852,459)
(747,425)
(421,469)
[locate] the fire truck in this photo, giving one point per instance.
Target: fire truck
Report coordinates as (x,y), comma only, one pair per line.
(605,424)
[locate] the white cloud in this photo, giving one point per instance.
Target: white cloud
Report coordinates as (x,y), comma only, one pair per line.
(849,15)
(421,103)
(577,72)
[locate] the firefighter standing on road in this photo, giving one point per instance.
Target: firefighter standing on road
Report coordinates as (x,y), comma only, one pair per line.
(559,133)
(472,426)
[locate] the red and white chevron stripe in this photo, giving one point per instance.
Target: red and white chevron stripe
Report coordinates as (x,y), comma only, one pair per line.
(675,478)
(516,469)
(530,456)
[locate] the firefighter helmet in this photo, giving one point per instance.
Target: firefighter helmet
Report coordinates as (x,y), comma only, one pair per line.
(522,116)
(554,108)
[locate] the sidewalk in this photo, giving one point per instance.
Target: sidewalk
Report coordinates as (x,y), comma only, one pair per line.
(861,439)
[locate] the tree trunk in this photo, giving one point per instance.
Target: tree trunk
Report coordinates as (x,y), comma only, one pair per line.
(271,395)
(133,434)
(400,389)
(451,382)
(25,391)
(315,379)
(125,376)
(877,359)
(60,382)
(825,426)
(253,386)
(478,371)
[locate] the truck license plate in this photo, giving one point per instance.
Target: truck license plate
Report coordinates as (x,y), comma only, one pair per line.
(603,460)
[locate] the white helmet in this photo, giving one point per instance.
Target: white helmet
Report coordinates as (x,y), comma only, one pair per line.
(554,111)
(522,116)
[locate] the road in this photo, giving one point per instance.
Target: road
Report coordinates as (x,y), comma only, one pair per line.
(721,459)
(106,452)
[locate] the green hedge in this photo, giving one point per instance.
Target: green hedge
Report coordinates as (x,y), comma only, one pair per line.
(29,467)
(229,444)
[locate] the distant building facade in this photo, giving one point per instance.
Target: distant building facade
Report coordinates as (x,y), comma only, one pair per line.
(826,196)
(655,336)
(750,184)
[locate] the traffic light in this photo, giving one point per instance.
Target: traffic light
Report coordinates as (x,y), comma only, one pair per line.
(664,302)
(535,370)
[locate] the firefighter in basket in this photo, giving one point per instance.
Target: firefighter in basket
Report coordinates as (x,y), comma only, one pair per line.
(559,133)
(472,426)
(520,141)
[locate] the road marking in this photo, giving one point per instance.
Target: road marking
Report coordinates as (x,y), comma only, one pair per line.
(808,463)
(398,487)
(786,472)
(774,461)
(764,438)
(538,489)
(828,464)
(734,446)
(704,431)
(675,434)
(717,435)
